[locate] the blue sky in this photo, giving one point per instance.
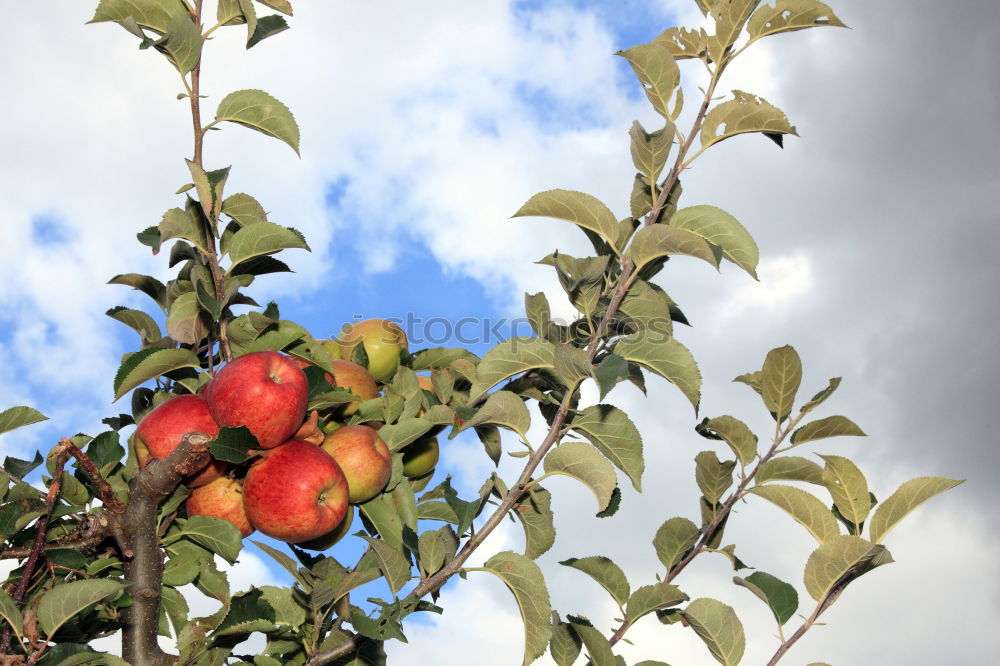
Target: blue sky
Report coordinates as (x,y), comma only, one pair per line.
(425,128)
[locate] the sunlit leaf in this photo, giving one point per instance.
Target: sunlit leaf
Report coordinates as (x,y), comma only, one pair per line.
(649,598)
(840,560)
(717,625)
(527,583)
(505,409)
(907,497)
(722,229)
(16,417)
(657,71)
(666,357)
(511,357)
(260,111)
(831,426)
(62,602)
(581,209)
(149,364)
(780,379)
(804,507)
(789,15)
(607,574)
(263,238)
(790,468)
(584,463)
(743,114)
(613,433)
(660,240)
(848,487)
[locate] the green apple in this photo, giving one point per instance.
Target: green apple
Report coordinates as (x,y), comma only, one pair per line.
(382,341)
(420,457)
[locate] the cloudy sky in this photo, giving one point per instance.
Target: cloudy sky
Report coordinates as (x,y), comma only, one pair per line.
(426,125)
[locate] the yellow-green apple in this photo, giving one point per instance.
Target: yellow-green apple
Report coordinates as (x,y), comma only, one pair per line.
(295,492)
(223,499)
(353,377)
(264,391)
(328,540)
(162,429)
(420,457)
(383,341)
(364,458)
(332,347)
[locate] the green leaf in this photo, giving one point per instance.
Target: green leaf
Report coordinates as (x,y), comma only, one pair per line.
(685,42)
(436,548)
(263,238)
(61,603)
(219,536)
(598,647)
(838,562)
(607,574)
(248,613)
(283,6)
(394,565)
(144,283)
(742,114)
(535,513)
(511,357)
(11,613)
(527,583)
(260,111)
(666,357)
(674,539)
(613,433)
(848,487)
(504,409)
(650,151)
(820,397)
(243,209)
(831,426)
(16,417)
(722,229)
(790,468)
(729,18)
(780,379)
(735,433)
(789,15)
(232,444)
(181,43)
(612,370)
(779,596)
(267,26)
(649,598)
(405,432)
(572,365)
(657,71)
(138,321)
(585,464)
(717,625)
(185,223)
(153,14)
(565,644)
(659,240)
(186,323)
(751,379)
(581,209)
(804,507)
(647,307)
(148,364)
(713,476)
(907,497)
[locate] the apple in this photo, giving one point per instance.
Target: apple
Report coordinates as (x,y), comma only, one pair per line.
(222,498)
(427,384)
(383,342)
(163,428)
(295,492)
(264,391)
(420,457)
(328,540)
(364,458)
(356,379)
(332,347)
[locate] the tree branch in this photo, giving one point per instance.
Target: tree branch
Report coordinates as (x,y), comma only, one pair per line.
(144,563)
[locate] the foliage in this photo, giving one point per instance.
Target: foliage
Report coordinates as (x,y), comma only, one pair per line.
(91,544)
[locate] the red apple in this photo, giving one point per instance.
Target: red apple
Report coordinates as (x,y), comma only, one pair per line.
(383,342)
(364,458)
(264,391)
(295,493)
(162,429)
(222,498)
(328,540)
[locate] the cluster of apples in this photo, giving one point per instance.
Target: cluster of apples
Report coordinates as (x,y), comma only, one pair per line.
(299,488)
